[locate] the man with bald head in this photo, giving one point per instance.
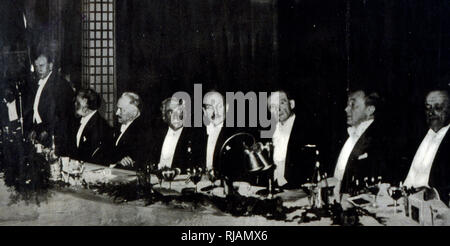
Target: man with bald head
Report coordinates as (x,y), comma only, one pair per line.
(293,165)
(431,164)
(130,138)
(214,110)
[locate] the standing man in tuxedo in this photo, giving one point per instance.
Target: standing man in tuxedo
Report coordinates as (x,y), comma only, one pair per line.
(173,145)
(50,107)
(431,164)
(294,161)
(129,145)
(363,154)
(93,135)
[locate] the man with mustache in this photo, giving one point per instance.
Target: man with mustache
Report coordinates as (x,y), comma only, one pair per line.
(130,138)
(93,135)
(173,145)
(431,164)
(214,110)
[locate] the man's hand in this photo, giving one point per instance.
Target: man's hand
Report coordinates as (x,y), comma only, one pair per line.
(32,136)
(127,162)
(43,136)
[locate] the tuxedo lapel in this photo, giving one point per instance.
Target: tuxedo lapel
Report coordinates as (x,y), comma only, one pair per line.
(46,99)
(441,169)
(89,130)
(361,147)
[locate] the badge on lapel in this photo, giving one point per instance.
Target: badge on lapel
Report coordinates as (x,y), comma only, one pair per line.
(84,139)
(363,156)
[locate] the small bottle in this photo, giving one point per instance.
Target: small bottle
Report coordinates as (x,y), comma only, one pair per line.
(357,187)
(316,175)
(405,200)
(53,149)
(326,189)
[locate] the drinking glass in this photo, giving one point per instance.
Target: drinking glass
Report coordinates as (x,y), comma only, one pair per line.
(395,193)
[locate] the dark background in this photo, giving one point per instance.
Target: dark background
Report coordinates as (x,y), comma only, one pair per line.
(317,50)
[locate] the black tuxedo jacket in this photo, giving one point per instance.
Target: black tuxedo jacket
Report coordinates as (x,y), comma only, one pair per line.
(233,164)
(56,109)
(187,153)
(300,157)
(94,142)
(133,143)
(369,157)
(440,169)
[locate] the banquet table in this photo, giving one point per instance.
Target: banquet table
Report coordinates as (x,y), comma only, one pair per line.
(77,205)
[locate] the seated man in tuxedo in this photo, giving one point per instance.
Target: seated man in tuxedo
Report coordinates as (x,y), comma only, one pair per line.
(363,154)
(294,164)
(431,164)
(173,145)
(9,107)
(214,137)
(93,135)
(50,107)
(130,139)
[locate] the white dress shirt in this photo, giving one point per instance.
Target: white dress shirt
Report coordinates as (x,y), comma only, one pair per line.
(123,128)
(12,111)
(419,172)
(280,140)
(168,147)
(354,134)
(213,134)
(42,82)
(84,120)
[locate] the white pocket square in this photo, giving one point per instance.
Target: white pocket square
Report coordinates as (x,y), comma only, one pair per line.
(363,156)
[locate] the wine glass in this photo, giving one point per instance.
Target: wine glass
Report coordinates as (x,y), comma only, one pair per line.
(395,193)
(170,174)
(373,188)
(195,175)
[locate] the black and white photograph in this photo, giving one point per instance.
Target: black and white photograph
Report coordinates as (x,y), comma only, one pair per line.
(224,113)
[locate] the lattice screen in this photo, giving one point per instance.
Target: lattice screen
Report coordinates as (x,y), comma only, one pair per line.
(99,72)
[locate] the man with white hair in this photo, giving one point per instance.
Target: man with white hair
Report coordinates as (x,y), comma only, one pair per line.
(130,138)
(173,144)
